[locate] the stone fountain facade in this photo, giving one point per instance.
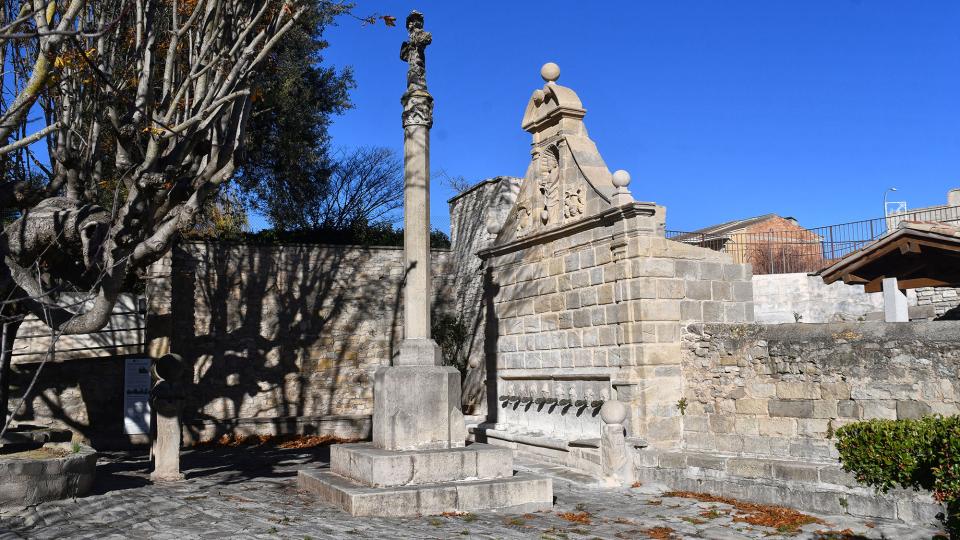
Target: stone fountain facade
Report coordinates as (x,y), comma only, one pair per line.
(586,297)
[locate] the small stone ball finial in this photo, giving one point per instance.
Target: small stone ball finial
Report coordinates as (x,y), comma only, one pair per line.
(621,178)
(550,72)
(613,412)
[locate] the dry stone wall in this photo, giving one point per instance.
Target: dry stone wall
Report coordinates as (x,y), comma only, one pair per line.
(782,390)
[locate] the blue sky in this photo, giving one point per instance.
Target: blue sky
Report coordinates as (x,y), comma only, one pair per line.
(718,109)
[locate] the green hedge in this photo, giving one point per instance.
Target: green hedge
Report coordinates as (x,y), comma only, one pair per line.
(912,454)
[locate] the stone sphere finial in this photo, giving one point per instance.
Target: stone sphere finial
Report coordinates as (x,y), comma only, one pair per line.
(621,178)
(613,412)
(550,72)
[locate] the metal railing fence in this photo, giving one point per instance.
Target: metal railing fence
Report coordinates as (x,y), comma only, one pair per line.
(807,250)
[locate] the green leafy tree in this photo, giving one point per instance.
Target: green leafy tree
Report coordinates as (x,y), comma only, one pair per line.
(286,159)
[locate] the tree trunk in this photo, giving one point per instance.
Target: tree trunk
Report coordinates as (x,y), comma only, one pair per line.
(6,352)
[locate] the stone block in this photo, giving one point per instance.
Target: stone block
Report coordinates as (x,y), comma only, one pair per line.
(912,409)
(794,472)
(720,290)
(670,288)
(743,291)
(761,390)
(813,427)
(849,409)
(706,461)
(837,476)
(729,443)
(426,419)
(866,506)
(690,310)
(748,468)
(699,290)
(713,312)
(798,390)
(745,425)
(879,408)
(642,287)
(756,445)
(376,467)
(659,310)
(689,270)
(791,408)
(825,408)
(734,312)
(777,427)
(721,423)
(711,270)
(752,406)
(837,390)
(518,494)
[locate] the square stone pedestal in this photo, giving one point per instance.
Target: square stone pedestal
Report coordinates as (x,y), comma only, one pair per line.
(368,481)
(417,408)
(418,463)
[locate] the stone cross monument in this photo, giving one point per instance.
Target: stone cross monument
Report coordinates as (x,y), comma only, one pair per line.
(417,348)
(431,417)
(418,462)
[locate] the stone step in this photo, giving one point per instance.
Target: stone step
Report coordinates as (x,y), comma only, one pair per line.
(376,467)
(517,494)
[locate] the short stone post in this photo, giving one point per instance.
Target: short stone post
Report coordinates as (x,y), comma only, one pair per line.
(615,459)
(894,302)
(166,399)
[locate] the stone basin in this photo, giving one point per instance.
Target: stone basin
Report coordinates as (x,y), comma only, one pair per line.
(33,470)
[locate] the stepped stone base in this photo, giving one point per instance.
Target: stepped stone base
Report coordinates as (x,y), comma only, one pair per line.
(365,480)
(376,467)
(816,487)
(520,494)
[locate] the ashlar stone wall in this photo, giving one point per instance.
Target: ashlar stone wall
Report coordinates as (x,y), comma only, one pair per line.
(594,315)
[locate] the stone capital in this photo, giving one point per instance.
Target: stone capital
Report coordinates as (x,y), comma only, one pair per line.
(417,109)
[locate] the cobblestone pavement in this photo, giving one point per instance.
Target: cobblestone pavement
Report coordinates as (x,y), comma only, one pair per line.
(251,493)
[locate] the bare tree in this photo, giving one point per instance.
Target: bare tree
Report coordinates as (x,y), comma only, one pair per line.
(141,106)
(365,187)
(458,184)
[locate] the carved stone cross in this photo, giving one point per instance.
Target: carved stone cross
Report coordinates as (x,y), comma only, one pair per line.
(413,51)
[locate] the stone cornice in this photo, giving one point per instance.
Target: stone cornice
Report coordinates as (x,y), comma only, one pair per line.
(606,217)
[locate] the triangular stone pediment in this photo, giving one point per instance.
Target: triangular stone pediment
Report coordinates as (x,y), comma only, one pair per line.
(567,179)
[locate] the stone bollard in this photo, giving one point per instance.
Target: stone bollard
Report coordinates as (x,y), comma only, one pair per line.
(166,398)
(615,459)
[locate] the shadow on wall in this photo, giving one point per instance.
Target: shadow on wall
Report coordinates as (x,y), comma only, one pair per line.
(279,337)
(282,331)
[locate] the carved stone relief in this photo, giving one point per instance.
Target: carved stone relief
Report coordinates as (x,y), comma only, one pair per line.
(573,203)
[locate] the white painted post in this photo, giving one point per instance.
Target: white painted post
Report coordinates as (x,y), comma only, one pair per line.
(894,302)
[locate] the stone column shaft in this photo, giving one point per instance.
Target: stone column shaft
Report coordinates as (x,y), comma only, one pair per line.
(416,237)
(417,349)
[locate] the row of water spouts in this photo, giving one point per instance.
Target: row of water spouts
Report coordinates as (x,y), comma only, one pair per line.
(542,396)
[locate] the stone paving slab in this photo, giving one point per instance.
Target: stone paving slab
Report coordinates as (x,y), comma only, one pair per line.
(251,493)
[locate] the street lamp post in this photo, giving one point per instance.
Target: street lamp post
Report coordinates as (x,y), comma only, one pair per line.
(886,221)
(885,200)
